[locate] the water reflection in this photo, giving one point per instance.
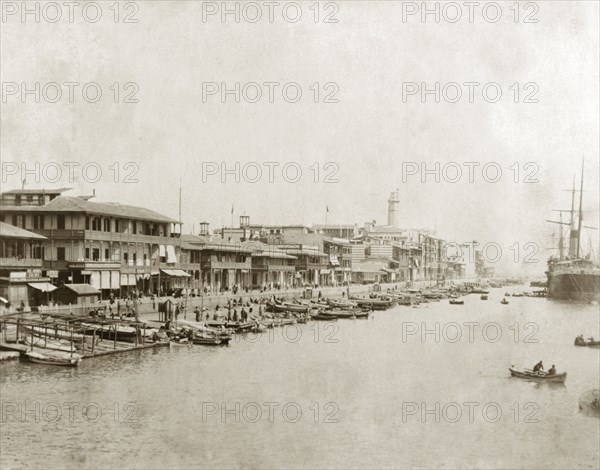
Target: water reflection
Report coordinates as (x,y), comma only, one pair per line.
(154,402)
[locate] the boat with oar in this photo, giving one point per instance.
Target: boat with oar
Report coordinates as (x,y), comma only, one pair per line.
(375,304)
(504,302)
(54,359)
(590,343)
(456,302)
(538,376)
(483,297)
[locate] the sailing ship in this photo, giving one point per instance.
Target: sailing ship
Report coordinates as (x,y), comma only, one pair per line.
(573,276)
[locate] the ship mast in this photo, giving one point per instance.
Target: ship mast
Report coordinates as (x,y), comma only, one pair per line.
(580,210)
(561,248)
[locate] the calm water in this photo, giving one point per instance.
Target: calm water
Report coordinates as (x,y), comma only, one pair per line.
(360,398)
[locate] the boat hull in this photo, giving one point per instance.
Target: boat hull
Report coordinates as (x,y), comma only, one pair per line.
(571,286)
(556,378)
(54,360)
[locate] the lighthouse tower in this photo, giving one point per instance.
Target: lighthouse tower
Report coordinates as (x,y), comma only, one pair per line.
(394,209)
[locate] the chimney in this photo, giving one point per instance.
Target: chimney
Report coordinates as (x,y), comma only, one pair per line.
(244,221)
(204,229)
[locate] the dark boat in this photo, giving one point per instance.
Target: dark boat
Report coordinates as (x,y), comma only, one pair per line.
(375,304)
(211,340)
(283,308)
(456,302)
(573,276)
(538,376)
(504,302)
(484,297)
(321,317)
(580,341)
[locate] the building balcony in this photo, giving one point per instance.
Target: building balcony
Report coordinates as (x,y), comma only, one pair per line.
(7,263)
(63,234)
(226,265)
(94,265)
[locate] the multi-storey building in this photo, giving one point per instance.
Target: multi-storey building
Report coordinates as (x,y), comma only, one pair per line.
(21,279)
(111,246)
(216,264)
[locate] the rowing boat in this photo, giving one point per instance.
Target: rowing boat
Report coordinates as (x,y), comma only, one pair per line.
(456,302)
(538,376)
(322,317)
(54,359)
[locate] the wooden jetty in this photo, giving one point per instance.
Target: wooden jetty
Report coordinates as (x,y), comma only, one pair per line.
(86,336)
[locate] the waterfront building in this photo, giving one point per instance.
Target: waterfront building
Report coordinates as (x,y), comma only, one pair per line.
(21,278)
(373,270)
(312,265)
(340,252)
(271,267)
(111,246)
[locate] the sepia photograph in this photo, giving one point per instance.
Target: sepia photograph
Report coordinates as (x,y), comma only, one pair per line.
(309,234)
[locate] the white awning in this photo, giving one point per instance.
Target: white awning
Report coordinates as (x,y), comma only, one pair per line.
(171,258)
(161,250)
(42,286)
(175,272)
(3,300)
(180,273)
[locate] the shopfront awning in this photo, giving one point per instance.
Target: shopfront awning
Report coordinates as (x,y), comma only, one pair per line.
(175,272)
(42,286)
(333,259)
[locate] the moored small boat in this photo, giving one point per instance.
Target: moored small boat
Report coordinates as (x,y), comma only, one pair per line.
(456,302)
(504,302)
(321,317)
(484,297)
(68,360)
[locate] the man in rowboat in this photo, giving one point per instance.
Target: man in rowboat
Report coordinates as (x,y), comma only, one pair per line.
(539,367)
(552,370)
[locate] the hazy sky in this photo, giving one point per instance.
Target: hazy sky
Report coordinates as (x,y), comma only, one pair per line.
(369,135)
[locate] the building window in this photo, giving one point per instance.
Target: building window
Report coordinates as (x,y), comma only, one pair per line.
(38,252)
(87,253)
(87,222)
(17,221)
(134,258)
(18,200)
(125,257)
(61,253)
(107,225)
(60,221)
(38,222)
(117,225)
(96,254)
(106,254)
